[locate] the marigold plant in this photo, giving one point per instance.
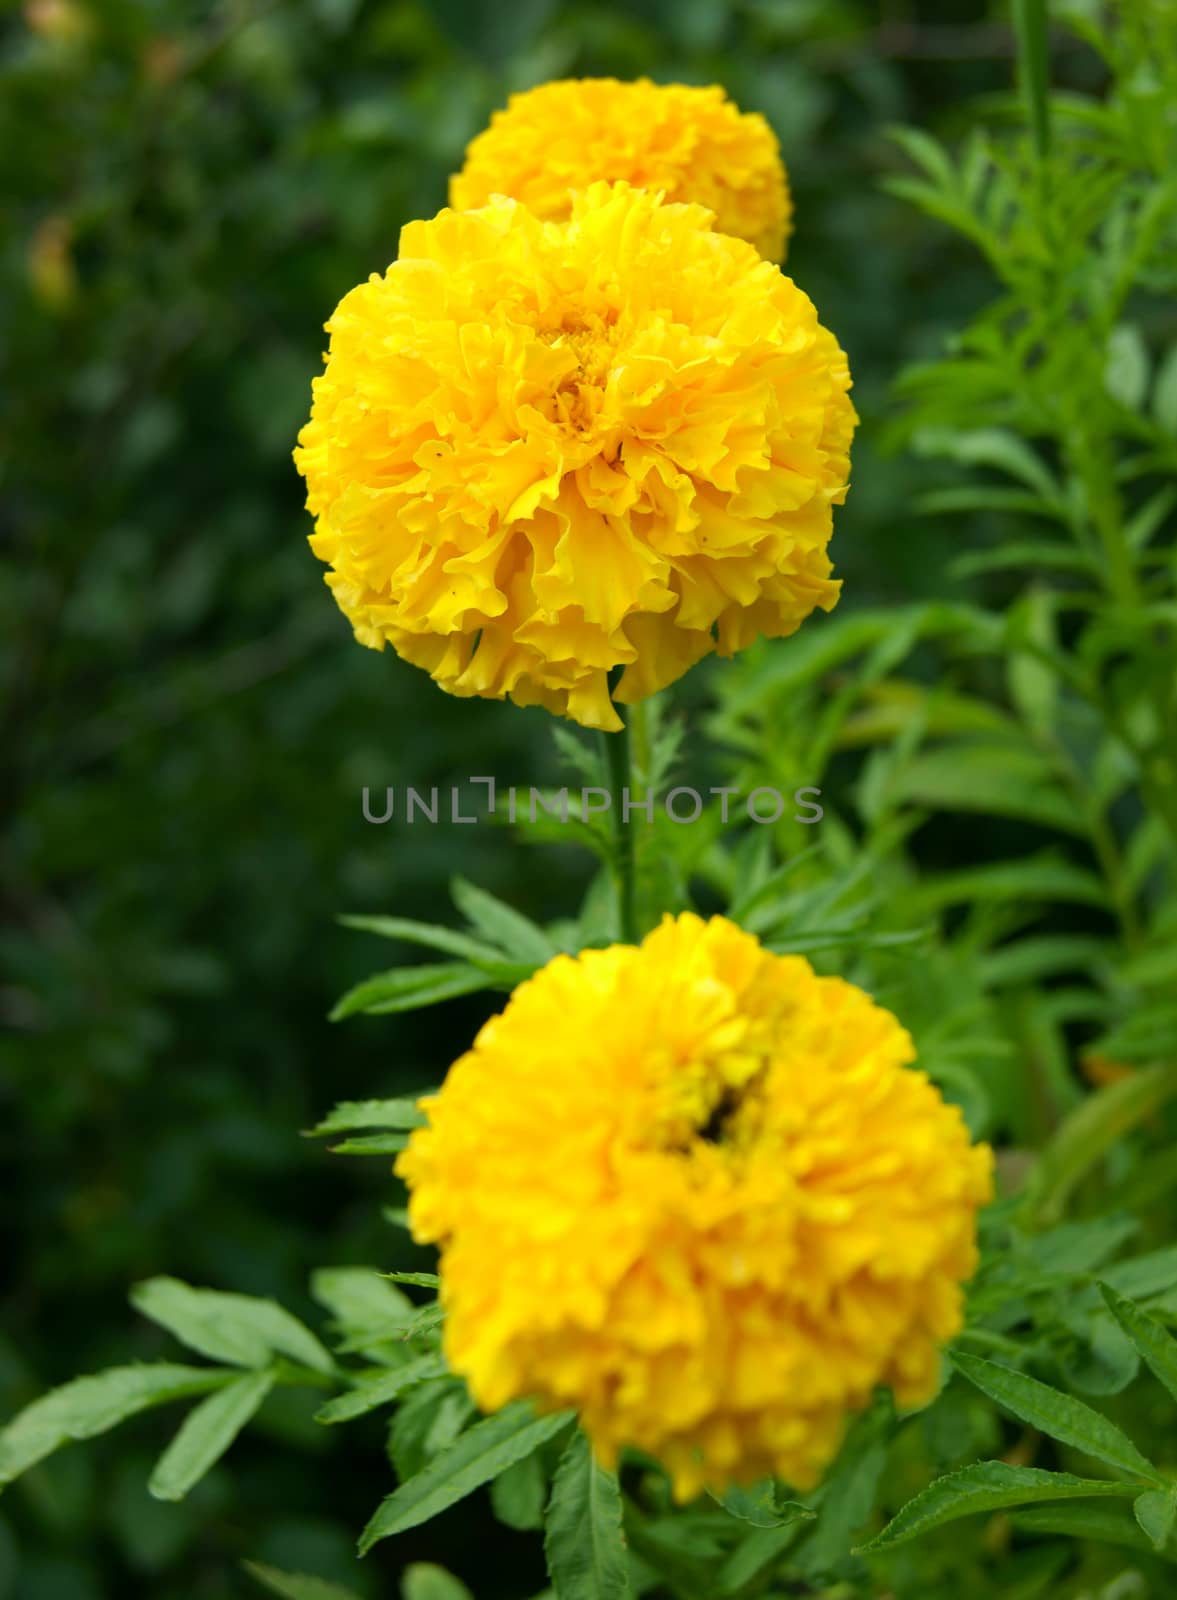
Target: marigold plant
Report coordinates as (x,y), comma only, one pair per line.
(688,143)
(692,1189)
(688,1214)
(544,450)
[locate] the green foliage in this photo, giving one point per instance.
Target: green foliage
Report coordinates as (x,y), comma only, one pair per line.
(295,1586)
(423,1581)
(477,1456)
(1156,1346)
(987,1486)
(90,1406)
(583,1538)
(229,1327)
(1058,1415)
(206,1433)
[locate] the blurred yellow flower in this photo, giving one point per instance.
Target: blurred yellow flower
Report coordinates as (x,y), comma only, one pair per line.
(693,1190)
(691,144)
(52,274)
(61,21)
(543,450)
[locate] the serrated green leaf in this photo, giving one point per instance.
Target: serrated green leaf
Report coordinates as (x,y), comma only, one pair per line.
(1125,373)
(237,1328)
(1164,394)
(1075,1247)
(1033,682)
(927,153)
(351,1115)
(848,1494)
(768,891)
(206,1433)
(478,1455)
(432,936)
(1089,1131)
(811,655)
(413,988)
(898,707)
(379,1391)
(387,1343)
(1156,1512)
(1100,1360)
(1022,555)
(193,1316)
(361,1299)
(425,1581)
(372,1144)
(1059,1415)
(518,1495)
(1152,967)
(1148,1034)
(509,929)
(583,1538)
(861,938)
(1002,779)
(992,447)
(985,1486)
(427,1421)
(1029,960)
(89,1406)
(1142,1276)
(762,1506)
(663,739)
(1140,527)
(934,203)
(1032,878)
(1102,1522)
(583,756)
(424,1320)
(296,1585)
(1155,1344)
(753,1555)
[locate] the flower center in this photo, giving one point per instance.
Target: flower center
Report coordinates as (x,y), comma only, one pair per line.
(710,1103)
(577,398)
(724,1109)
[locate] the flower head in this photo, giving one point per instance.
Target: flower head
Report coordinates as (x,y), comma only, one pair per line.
(689,143)
(543,450)
(694,1190)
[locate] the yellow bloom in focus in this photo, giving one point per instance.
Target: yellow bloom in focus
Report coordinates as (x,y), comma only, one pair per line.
(543,450)
(691,144)
(693,1189)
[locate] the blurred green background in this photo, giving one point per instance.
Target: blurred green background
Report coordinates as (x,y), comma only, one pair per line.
(187,726)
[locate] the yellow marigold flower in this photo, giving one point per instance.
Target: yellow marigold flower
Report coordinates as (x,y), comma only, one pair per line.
(692,1189)
(691,144)
(542,450)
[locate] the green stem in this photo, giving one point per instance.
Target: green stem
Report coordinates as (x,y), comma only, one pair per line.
(617,755)
(1030,26)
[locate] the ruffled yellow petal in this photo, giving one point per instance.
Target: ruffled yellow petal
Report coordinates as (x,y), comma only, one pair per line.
(542,451)
(687,143)
(697,1192)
